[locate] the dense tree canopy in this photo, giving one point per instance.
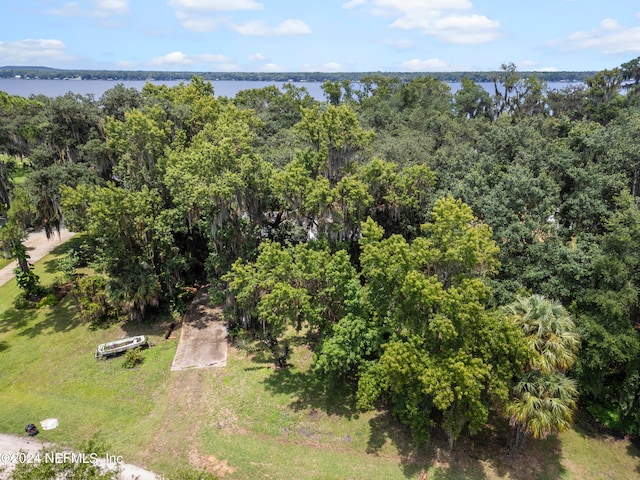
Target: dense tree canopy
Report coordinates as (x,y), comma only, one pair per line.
(443,254)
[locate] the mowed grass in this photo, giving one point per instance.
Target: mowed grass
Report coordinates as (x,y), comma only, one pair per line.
(247,420)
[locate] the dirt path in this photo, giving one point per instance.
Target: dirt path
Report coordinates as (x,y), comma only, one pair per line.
(203,339)
(11,444)
(38,245)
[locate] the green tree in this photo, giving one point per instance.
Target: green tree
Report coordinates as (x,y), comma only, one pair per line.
(132,243)
(118,100)
(445,350)
(631,71)
(44,185)
(138,143)
(472,101)
(221,187)
(335,139)
(12,234)
(544,400)
(305,285)
(604,100)
(609,321)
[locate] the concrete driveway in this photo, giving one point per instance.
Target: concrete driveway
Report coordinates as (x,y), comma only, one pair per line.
(38,245)
(12,444)
(203,339)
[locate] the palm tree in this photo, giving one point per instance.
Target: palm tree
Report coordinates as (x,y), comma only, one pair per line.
(133,287)
(544,400)
(550,331)
(541,404)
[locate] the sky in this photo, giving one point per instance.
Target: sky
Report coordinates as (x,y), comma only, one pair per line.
(320,35)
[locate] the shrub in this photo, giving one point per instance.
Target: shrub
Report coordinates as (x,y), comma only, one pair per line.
(28,282)
(48,300)
(133,358)
(67,265)
(217,296)
(22,302)
(91,300)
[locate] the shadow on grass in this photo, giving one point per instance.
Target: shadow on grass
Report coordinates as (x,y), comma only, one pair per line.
(78,244)
(75,244)
(155,322)
(588,427)
(311,393)
(262,356)
(472,457)
(13,319)
(51,266)
(60,318)
(480,457)
(539,459)
(414,459)
(633,450)
(3,346)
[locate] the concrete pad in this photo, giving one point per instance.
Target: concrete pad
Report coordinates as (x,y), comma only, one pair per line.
(203,339)
(38,245)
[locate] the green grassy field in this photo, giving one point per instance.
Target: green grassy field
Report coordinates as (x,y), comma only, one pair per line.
(246,420)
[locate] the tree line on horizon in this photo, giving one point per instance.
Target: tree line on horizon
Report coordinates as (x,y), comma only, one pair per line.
(46,73)
(444,255)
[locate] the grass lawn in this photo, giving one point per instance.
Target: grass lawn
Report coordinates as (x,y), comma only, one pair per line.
(246,420)
(5,261)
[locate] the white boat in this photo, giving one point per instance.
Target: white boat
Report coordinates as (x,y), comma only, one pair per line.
(118,346)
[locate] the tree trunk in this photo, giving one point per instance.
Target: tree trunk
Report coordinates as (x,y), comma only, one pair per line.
(516,441)
(20,252)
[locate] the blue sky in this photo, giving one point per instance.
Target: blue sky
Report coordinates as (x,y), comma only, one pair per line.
(320,35)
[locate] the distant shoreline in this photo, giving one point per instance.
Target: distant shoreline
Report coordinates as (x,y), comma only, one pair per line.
(46,73)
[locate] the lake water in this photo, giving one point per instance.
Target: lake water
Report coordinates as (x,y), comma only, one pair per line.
(225,88)
(56,88)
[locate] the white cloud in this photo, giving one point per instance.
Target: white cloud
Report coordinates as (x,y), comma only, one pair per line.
(70,9)
(469,29)
(117,7)
(401,44)
(199,23)
(257,28)
(609,24)
(257,57)
(127,65)
(173,58)
(101,9)
(215,5)
(353,4)
(429,65)
(327,67)
(609,38)
(35,52)
(271,67)
(332,67)
(531,66)
(190,12)
(179,59)
(452,21)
